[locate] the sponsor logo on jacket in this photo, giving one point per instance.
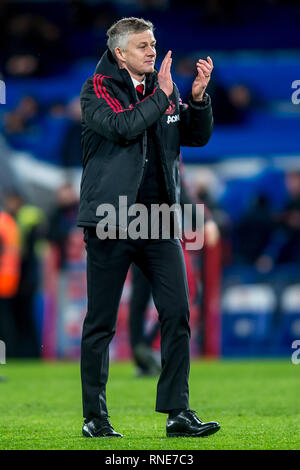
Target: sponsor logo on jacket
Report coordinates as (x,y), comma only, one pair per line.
(171,108)
(173,118)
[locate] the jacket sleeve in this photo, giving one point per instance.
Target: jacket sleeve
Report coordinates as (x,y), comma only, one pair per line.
(103,113)
(196,122)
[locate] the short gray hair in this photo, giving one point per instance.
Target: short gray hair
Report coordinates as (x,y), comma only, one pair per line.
(119,32)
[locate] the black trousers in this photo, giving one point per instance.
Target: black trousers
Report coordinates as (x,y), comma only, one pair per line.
(140,297)
(162,262)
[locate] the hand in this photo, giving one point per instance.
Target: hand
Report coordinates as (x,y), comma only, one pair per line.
(204,69)
(164,75)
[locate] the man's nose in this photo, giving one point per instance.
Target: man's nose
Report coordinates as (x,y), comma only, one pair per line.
(151,52)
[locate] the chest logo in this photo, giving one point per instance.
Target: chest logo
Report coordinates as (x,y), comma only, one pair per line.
(173,118)
(171,108)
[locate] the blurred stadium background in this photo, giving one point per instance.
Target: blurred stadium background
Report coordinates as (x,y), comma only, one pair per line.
(246,290)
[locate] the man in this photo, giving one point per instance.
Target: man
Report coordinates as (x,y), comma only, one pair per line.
(133,126)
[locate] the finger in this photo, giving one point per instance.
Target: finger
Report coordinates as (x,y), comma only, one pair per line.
(162,66)
(206,64)
(165,61)
(202,79)
(168,66)
(168,62)
(204,68)
(209,60)
(201,74)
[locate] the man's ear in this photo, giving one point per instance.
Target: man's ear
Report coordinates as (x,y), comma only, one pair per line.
(120,55)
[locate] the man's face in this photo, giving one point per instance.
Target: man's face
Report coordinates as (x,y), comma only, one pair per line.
(140,54)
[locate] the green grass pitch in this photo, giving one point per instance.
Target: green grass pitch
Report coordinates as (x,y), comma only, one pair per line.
(257,404)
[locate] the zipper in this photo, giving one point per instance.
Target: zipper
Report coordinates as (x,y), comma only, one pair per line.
(163,162)
(144,146)
(144,161)
(166,172)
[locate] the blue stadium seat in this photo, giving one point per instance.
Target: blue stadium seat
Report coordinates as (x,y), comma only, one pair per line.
(247,319)
(288,325)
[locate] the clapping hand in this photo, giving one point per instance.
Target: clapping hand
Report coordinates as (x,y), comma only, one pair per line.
(164,75)
(204,68)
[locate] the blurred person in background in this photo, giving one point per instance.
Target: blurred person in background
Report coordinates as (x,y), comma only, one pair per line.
(63,219)
(241,100)
(254,230)
(39,127)
(233,105)
(123,104)
(31,223)
(25,35)
(71,148)
(284,244)
(206,190)
(23,118)
(10,266)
